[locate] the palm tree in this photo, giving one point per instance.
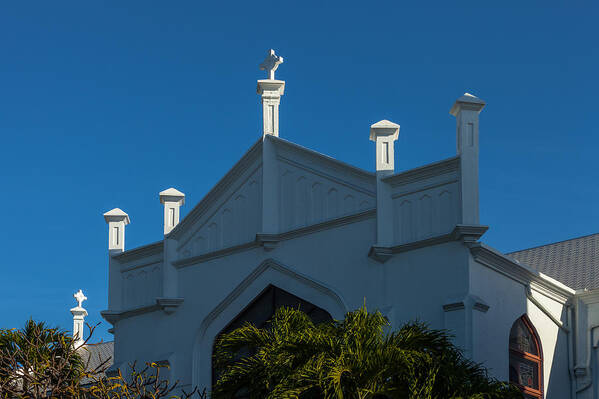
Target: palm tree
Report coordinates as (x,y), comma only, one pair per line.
(352,359)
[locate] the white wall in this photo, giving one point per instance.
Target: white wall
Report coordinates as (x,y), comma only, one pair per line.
(507,302)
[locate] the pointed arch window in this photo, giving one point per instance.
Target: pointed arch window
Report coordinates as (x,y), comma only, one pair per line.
(526,359)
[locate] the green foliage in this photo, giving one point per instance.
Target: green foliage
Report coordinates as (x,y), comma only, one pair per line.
(37,360)
(351,359)
(41,362)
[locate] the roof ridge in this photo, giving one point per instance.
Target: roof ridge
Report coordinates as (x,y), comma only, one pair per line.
(552,243)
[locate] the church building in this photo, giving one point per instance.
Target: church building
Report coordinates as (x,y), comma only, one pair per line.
(288,226)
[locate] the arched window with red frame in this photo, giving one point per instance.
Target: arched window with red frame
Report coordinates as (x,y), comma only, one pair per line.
(526,359)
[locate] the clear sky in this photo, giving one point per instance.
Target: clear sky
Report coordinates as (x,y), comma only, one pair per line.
(104,104)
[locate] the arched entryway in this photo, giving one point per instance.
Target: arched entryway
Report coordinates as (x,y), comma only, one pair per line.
(223,315)
(264,306)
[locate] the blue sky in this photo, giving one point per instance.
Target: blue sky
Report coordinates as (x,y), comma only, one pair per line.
(104,104)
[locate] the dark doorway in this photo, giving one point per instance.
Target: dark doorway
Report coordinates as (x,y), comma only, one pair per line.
(264,306)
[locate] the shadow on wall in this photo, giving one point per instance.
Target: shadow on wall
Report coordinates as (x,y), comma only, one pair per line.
(555,362)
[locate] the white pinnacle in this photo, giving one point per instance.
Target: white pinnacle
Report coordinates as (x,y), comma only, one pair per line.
(271,63)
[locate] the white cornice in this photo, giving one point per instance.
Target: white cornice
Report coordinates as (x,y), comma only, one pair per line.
(214,254)
(589,297)
(424,172)
(331,162)
(461,232)
(125,267)
(114,317)
(167,305)
(320,173)
(495,260)
(328,224)
(144,251)
(213,195)
(272,239)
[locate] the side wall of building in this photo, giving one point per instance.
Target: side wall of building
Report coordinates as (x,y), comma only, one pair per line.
(507,301)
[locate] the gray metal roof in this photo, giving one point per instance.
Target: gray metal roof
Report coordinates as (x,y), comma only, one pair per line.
(573,262)
(95,354)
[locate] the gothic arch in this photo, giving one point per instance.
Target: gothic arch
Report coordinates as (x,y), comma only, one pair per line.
(269,272)
(526,358)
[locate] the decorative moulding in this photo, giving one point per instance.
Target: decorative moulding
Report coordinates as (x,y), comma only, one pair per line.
(424,172)
(380,254)
(126,267)
(267,241)
(264,266)
(589,297)
(326,161)
(328,176)
(243,165)
(465,233)
(213,255)
(461,304)
(213,195)
(427,184)
(206,213)
(169,305)
(145,251)
(271,87)
(507,266)
(329,224)
(450,307)
(116,215)
(481,307)
(468,233)
(113,316)
(110,316)
(467,102)
(172,195)
(384,128)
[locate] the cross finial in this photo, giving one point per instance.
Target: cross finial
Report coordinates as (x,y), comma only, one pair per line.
(271,63)
(79,297)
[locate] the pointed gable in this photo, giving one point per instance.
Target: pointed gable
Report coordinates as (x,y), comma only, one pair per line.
(314,187)
(229,214)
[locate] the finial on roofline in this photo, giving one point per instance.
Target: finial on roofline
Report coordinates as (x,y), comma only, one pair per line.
(271,63)
(79,297)
(271,91)
(117,220)
(78,319)
(466,110)
(172,199)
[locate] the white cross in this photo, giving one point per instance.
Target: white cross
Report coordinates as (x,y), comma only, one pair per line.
(271,63)
(79,297)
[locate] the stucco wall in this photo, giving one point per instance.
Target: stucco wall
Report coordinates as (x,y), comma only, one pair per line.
(329,268)
(507,302)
